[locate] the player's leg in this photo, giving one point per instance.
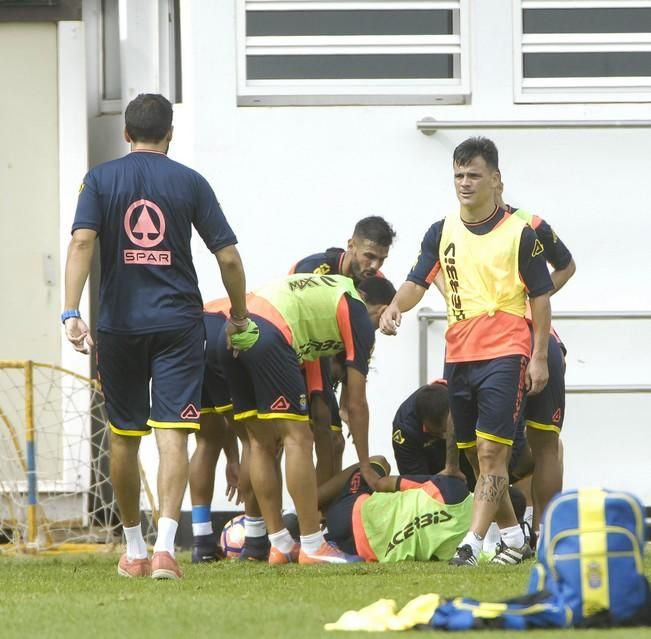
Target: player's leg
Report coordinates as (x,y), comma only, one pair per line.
(544,415)
(280,393)
(123,366)
(501,402)
(463,410)
(213,436)
(177,364)
(211,439)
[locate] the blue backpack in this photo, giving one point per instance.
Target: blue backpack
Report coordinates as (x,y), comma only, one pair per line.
(590,554)
(589,573)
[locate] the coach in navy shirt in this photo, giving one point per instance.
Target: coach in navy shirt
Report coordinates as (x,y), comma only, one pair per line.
(143,207)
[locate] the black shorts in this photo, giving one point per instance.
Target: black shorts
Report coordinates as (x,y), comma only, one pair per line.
(265,381)
(171,360)
(546,410)
(486,398)
(215,396)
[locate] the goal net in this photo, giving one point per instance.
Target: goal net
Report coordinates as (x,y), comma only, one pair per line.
(55,491)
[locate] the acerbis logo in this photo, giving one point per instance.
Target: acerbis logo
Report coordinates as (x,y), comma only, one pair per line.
(422,521)
(453,281)
(313,345)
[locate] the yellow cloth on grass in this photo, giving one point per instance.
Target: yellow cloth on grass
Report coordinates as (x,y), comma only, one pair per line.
(381,615)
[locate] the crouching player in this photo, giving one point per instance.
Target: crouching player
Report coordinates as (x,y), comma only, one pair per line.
(412,517)
(298,320)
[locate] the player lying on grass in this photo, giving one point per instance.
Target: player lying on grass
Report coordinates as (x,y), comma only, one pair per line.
(407,517)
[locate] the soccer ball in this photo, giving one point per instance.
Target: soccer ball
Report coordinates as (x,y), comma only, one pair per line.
(232,537)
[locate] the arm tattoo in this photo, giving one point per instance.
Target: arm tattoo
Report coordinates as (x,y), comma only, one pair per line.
(490,488)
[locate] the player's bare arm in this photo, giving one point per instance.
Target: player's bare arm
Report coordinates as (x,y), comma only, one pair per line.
(358,423)
(537,372)
(561,276)
(408,295)
(78,263)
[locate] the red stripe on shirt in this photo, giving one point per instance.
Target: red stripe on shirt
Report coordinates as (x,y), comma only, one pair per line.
(313,376)
(345,328)
(433,273)
(264,308)
(362,545)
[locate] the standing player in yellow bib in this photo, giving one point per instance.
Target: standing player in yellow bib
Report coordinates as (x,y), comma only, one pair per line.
(491,262)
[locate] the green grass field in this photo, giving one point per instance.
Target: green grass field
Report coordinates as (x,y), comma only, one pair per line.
(75,596)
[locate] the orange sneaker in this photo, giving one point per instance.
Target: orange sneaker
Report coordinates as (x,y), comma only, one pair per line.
(327,554)
(134,567)
(276,557)
(164,566)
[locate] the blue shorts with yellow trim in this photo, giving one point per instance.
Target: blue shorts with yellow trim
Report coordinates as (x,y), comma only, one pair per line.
(265,381)
(171,360)
(215,396)
(546,410)
(486,398)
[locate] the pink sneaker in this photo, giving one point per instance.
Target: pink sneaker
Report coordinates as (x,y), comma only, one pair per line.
(164,566)
(327,554)
(276,557)
(134,567)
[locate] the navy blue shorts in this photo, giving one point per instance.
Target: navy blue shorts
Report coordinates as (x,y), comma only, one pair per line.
(265,381)
(319,380)
(215,396)
(486,398)
(171,360)
(546,410)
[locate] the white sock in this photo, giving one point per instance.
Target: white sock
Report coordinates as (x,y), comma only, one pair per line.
(528,516)
(166,534)
(204,528)
(136,546)
(254,527)
(491,538)
(311,543)
(282,540)
(512,536)
(474,541)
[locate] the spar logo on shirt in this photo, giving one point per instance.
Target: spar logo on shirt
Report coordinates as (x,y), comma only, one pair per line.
(144,224)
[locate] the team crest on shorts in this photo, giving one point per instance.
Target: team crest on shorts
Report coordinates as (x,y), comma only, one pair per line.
(398,437)
(302,401)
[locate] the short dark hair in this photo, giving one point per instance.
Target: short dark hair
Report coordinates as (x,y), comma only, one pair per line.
(376,229)
(377,290)
(471,148)
(148,117)
(431,403)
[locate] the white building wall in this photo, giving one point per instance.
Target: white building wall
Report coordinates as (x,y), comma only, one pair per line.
(294,180)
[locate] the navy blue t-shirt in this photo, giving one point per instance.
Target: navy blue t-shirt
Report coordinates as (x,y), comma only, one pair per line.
(143,207)
(326,263)
(417,451)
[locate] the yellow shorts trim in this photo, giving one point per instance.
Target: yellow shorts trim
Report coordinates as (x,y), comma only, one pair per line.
(219,410)
(129,433)
(494,438)
(466,444)
(291,416)
(190,425)
(336,429)
(539,426)
(246,414)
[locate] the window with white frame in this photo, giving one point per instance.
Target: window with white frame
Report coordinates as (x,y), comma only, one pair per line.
(582,50)
(169,44)
(352,51)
